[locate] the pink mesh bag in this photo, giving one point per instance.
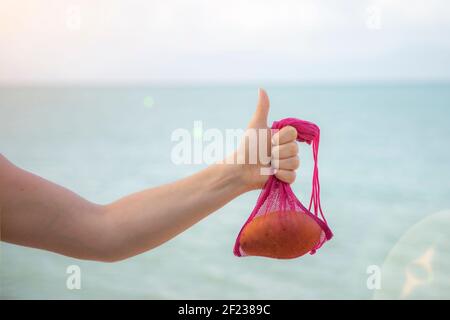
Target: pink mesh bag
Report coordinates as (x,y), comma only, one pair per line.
(280,226)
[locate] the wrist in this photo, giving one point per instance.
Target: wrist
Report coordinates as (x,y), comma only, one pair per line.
(235,174)
(243,177)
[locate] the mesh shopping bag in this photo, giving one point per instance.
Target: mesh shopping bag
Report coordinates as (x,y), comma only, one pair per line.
(280,226)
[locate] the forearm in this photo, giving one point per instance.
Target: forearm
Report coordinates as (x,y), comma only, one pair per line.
(146,219)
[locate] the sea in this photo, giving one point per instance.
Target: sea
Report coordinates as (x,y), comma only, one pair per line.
(384,164)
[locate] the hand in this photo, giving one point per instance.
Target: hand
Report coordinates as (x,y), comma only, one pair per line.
(277,154)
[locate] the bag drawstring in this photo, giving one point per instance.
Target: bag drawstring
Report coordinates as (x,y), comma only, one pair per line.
(315,194)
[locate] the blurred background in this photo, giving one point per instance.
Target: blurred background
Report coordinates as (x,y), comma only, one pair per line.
(90,92)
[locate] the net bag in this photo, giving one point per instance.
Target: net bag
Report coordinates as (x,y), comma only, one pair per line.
(280,226)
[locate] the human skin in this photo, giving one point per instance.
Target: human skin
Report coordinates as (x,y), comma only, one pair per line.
(37,213)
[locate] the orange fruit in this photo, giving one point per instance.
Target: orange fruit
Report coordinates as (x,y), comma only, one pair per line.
(281,235)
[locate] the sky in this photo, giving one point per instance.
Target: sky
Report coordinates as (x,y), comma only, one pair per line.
(234,41)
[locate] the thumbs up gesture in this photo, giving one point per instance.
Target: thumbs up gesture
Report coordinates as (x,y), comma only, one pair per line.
(263,153)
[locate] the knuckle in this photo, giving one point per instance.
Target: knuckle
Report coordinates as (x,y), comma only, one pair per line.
(287,176)
(291,177)
(296,162)
(293,148)
(288,134)
(291,131)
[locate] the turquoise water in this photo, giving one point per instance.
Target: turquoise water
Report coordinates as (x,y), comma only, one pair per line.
(384,166)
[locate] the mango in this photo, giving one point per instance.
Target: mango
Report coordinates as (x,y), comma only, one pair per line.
(280,235)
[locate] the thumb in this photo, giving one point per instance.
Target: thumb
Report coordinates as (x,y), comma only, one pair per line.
(259,119)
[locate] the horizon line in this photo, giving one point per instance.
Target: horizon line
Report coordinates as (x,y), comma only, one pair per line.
(178,84)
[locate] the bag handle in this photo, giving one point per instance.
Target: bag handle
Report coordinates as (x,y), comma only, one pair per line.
(310,133)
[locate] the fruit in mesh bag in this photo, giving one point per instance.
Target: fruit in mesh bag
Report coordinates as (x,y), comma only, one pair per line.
(282,235)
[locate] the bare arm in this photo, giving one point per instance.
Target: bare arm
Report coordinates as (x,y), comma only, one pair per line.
(38,213)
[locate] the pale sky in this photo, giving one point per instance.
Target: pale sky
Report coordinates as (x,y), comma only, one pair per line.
(232,41)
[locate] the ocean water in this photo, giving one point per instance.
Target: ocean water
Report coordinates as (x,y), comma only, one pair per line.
(384,170)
